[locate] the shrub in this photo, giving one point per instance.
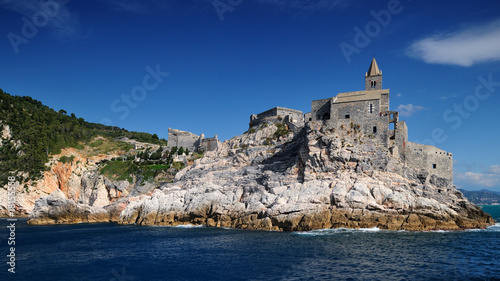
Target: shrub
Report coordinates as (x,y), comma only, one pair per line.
(96,143)
(66,159)
(178,165)
(281,131)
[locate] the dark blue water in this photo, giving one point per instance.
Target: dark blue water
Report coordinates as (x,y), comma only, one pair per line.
(119,253)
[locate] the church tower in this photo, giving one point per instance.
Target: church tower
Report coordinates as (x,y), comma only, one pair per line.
(373,78)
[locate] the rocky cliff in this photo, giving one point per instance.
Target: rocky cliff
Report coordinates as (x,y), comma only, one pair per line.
(74,191)
(276,178)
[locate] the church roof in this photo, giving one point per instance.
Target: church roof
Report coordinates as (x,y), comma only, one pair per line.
(360,96)
(373,70)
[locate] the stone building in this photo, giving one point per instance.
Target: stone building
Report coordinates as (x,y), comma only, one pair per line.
(278,114)
(191,141)
(370,110)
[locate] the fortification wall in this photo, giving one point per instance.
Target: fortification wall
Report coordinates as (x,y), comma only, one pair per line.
(430,159)
(182,138)
(268,113)
(209,144)
(278,114)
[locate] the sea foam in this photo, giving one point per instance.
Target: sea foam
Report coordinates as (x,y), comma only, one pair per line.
(329,231)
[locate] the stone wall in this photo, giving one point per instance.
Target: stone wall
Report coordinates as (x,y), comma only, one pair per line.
(377,79)
(357,110)
(277,114)
(430,159)
(209,144)
(321,109)
(400,139)
(182,138)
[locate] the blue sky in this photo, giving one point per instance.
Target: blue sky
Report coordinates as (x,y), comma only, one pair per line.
(206,66)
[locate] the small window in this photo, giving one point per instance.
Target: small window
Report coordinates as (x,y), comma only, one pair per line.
(370,108)
(374,129)
(434,166)
(374,84)
(347,116)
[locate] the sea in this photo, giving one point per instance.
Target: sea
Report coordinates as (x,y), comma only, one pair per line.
(128,252)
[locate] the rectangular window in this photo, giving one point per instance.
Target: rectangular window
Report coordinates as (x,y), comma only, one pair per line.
(347,116)
(374,129)
(434,166)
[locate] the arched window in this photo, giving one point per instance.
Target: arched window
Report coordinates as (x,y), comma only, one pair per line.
(374,84)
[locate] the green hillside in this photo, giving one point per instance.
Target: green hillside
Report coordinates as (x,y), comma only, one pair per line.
(39,131)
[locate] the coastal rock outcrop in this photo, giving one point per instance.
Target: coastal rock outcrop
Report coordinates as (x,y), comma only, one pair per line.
(317,177)
(73,192)
(57,209)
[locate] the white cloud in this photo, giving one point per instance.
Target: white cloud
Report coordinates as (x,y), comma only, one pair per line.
(464,47)
(63,23)
(407,110)
(307,5)
(488,178)
(399,95)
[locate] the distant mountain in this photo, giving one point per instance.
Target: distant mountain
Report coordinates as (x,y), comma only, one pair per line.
(482,197)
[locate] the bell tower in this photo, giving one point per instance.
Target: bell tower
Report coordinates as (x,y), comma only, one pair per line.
(373,78)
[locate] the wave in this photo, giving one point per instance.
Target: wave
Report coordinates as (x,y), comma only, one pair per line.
(325,232)
(180,226)
(491,228)
(329,231)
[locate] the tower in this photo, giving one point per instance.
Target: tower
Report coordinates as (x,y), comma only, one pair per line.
(373,78)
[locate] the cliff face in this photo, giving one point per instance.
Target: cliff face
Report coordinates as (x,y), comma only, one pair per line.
(313,179)
(78,180)
(74,192)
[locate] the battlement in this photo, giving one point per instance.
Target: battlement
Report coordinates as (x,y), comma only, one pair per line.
(191,141)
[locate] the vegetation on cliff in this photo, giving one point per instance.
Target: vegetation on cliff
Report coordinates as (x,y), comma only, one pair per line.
(38,131)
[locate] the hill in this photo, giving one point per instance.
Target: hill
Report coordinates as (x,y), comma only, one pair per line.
(482,197)
(49,151)
(31,132)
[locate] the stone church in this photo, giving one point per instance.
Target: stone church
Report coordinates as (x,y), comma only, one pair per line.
(371,111)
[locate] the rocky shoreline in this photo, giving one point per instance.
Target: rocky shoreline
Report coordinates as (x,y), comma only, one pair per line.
(310,178)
